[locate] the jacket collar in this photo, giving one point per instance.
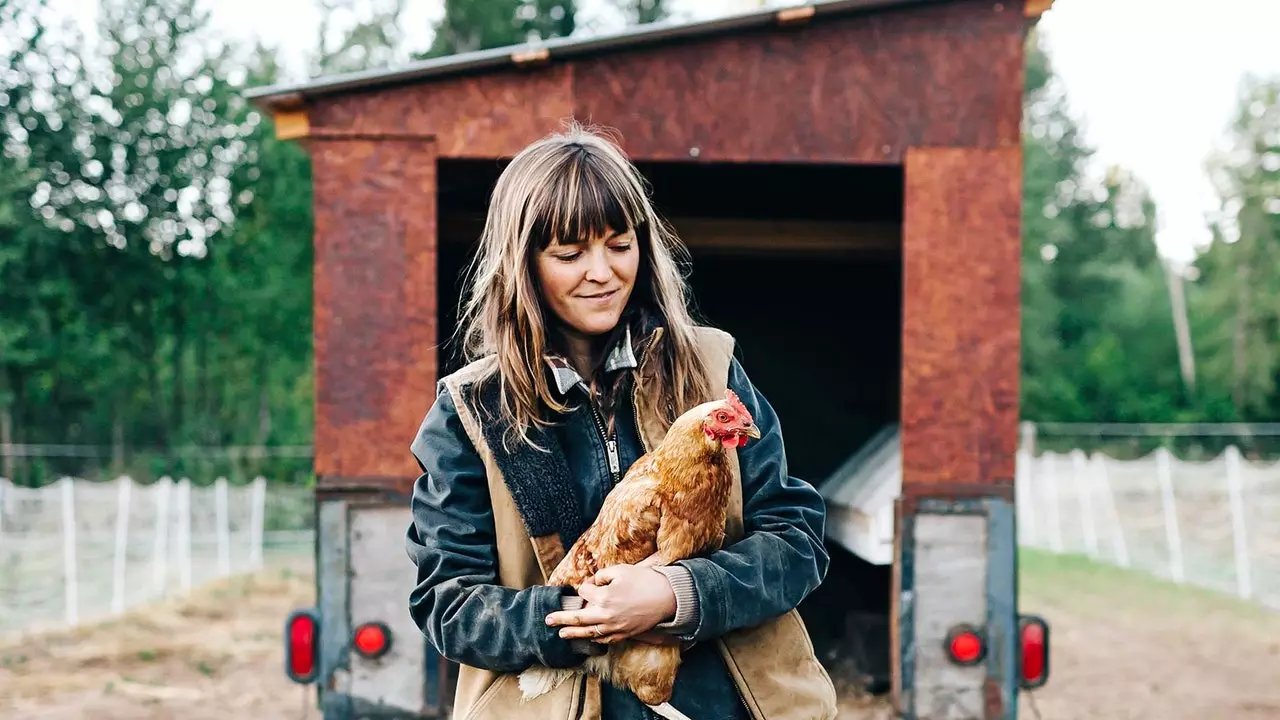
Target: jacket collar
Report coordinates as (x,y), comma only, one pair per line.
(621,356)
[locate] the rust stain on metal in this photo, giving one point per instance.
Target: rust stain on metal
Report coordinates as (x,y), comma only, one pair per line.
(861,88)
(1001,488)
(992,699)
(485,116)
(375,303)
(961,329)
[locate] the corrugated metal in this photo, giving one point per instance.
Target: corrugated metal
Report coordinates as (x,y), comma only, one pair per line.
(860,496)
(556,49)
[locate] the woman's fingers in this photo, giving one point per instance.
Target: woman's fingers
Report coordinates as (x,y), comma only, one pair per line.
(589,615)
(606,575)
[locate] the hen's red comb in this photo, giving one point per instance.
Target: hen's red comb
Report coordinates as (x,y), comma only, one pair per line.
(736,404)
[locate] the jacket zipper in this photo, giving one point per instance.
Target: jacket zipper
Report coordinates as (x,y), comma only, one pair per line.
(610,444)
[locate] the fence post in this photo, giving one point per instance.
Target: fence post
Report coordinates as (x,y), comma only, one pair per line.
(1084,496)
(122,544)
(1121,548)
(1164,475)
(160,556)
(1026,501)
(1055,506)
(69,552)
(224,526)
(184,532)
(1244,573)
(256,522)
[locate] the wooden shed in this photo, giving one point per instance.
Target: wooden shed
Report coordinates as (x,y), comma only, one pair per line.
(858,161)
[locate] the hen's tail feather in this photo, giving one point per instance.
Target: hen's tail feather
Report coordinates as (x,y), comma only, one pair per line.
(668,712)
(540,680)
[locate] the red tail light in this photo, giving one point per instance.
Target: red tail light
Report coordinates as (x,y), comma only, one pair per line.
(372,639)
(965,645)
(1034,646)
(302,639)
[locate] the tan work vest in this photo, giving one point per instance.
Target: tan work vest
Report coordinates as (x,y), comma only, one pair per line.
(772,664)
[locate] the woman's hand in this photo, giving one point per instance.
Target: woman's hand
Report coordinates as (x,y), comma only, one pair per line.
(622,601)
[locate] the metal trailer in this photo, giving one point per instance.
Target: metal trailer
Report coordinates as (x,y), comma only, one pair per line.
(864,154)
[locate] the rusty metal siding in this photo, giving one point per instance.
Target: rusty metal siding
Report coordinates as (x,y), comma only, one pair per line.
(375,303)
(491,115)
(961,326)
(860,89)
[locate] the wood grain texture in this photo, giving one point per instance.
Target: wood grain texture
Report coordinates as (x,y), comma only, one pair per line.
(961,317)
(375,304)
(861,88)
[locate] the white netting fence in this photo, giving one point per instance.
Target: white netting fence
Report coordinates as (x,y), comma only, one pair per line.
(1214,524)
(77,551)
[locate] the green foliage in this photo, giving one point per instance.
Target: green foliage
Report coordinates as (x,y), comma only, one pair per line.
(1098,338)
(1235,302)
(470,25)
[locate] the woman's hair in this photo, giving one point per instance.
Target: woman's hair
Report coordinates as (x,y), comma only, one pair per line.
(569,187)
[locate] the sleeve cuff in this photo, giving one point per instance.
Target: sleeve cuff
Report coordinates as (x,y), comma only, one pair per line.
(581,646)
(687,611)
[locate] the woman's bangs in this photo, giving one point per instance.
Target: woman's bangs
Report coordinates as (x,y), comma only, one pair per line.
(583,200)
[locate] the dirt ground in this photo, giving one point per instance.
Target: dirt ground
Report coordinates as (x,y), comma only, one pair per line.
(1124,647)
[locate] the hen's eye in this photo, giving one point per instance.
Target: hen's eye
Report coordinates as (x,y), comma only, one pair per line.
(722,416)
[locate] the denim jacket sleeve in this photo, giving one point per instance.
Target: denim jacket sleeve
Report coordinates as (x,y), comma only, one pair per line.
(459,606)
(780,559)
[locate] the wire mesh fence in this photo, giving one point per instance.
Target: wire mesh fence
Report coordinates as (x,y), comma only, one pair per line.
(1213,523)
(75,551)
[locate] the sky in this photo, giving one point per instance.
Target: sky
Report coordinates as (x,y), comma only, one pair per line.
(1153,82)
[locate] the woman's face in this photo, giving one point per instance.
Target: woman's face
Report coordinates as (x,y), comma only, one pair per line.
(587,285)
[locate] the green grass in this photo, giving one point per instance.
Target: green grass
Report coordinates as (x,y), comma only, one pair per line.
(1054,580)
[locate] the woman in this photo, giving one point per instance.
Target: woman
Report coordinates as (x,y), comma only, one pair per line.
(580,346)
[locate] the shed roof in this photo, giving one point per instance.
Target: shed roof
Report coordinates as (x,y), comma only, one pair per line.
(651,34)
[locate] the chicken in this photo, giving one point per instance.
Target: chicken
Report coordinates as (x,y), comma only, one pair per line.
(670,505)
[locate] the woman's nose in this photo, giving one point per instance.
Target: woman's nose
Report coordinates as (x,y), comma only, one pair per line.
(598,269)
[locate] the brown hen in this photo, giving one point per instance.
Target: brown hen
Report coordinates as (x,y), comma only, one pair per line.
(670,505)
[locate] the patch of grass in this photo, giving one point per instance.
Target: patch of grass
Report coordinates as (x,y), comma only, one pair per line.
(1047,578)
(146,655)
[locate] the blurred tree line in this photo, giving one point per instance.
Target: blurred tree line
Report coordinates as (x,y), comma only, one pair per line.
(155,246)
(1114,333)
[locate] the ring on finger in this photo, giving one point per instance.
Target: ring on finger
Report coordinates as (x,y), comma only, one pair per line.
(595,630)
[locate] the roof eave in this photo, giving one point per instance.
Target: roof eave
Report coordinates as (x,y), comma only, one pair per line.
(286,96)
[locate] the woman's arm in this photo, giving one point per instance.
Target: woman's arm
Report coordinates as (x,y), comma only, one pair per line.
(466,616)
(781,558)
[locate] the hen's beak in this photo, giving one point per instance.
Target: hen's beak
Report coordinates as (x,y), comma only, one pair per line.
(751,431)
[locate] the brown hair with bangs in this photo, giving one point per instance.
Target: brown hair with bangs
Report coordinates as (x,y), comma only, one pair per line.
(568,187)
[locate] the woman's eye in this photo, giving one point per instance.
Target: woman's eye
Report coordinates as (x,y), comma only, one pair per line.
(621,248)
(568,258)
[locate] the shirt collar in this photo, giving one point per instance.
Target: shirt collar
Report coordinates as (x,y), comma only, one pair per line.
(620,357)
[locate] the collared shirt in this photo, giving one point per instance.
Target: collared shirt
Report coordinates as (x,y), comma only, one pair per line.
(621,356)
